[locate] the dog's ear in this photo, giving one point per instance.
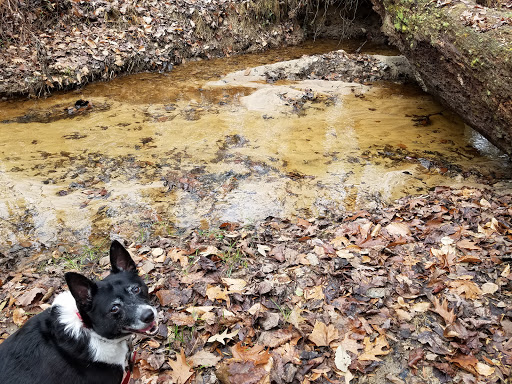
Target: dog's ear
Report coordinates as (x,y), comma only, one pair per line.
(120,258)
(82,289)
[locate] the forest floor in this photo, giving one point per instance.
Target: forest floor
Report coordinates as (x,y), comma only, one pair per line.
(417,292)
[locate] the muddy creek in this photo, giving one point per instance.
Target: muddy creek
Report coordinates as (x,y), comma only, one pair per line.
(158,153)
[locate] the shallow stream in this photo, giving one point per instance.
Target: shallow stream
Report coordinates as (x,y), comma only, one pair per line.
(157,153)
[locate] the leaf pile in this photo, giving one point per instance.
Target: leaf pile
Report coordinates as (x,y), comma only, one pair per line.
(417,292)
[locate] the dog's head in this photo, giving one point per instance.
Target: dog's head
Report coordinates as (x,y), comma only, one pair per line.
(119,304)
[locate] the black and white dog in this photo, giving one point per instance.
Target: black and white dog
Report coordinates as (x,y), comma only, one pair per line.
(83,338)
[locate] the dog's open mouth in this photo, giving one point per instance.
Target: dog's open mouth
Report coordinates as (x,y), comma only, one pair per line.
(151,330)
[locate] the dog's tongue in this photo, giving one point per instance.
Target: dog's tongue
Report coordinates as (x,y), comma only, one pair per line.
(151,330)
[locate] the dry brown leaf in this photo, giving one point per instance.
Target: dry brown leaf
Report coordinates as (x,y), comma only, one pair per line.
(379,347)
(178,256)
(350,344)
(28,297)
(91,43)
(469,259)
(204,358)
(210,250)
(467,362)
(235,285)
(256,353)
(484,369)
(468,244)
(263,249)
(421,307)
(214,292)
(442,310)
(295,318)
(467,288)
(314,293)
(180,318)
(19,317)
(323,335)
(241,372)
(180,369)
(165,297)
(192,278)
(198,312)
(446,255)
(398,229)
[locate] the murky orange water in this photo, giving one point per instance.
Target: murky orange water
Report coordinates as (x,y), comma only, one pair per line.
(160,152)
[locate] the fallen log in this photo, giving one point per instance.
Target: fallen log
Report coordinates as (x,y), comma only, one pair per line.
(461,53)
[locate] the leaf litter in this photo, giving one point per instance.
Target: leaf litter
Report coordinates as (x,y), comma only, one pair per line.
(417,292)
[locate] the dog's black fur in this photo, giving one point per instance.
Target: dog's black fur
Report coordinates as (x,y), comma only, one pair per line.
(86,343)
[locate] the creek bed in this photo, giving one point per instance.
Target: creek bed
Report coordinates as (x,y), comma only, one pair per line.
(158,153)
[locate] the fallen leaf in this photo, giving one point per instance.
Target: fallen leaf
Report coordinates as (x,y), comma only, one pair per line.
(397,229)
(442,310)
(295,318)
(468,244)
(28,297)
(256,353)
(210,250)
(467,288)
(489,288)
(467,362)
(180,369)
(204,359)
(241,372)
(314,293)
(221,338)
(235,285)
(379,347)
(156,361)
(180,318)
(214,292)
(263,249)
(322,335)
(415,356)
(342,359)
(178,256)
(350,345)
(484,369)
(421,307)
(275,338)
(19,317)
(165,297)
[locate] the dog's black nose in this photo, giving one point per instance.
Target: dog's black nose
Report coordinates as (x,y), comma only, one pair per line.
(147,316)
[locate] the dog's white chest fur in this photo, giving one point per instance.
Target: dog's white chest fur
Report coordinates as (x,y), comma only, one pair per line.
(109,351)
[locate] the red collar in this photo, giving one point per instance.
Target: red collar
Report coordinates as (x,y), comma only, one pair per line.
(80,317)
(129,368)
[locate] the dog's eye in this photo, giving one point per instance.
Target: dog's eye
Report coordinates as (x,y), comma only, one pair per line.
(136,289)
(114,308)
